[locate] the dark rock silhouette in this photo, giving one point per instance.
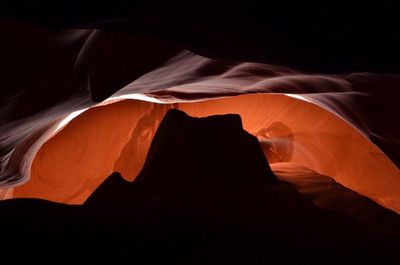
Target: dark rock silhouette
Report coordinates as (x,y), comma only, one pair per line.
(206,195)
(216,151)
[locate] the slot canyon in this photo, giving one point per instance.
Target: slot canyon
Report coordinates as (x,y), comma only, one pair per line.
(145,136)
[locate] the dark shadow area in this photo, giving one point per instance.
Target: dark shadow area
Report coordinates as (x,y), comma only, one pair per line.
(206,195)
(323,37)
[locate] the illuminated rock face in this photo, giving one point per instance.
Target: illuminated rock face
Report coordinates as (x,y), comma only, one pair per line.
(94,145)
(231,209)
(116,137)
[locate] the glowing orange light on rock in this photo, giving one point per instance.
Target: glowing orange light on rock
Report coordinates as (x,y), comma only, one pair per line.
(116,136)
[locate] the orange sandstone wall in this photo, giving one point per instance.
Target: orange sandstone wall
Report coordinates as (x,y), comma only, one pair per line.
(115,137)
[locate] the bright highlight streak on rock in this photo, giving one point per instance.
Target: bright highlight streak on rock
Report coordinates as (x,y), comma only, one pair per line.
(69,118)
(141,97)
(298,97)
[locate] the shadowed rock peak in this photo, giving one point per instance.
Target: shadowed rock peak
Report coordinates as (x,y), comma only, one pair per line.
(193,156)
(212,152)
